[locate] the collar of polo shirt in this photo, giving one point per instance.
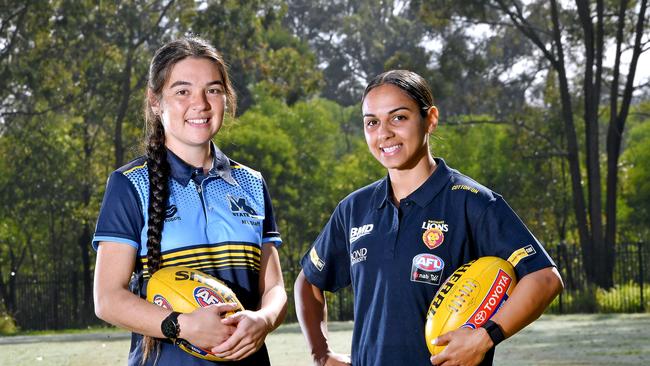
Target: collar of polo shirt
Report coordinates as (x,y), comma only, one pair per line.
(423,195)
(182,172)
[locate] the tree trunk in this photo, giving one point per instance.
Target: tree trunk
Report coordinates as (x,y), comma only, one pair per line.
(579,206)
(617,127)
(121,112)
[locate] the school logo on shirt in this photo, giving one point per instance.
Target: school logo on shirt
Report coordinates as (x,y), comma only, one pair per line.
(240,208)
(434,233)
(170,214)
(358,232)
(427,268)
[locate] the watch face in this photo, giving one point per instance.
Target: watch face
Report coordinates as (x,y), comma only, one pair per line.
(169,327)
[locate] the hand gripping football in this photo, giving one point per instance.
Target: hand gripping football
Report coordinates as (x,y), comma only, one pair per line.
(184,289)
(469,297)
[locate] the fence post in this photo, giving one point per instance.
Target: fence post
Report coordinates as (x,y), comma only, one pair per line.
(641,280)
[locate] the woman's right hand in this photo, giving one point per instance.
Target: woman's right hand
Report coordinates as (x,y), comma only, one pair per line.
(333,359)
(203,327)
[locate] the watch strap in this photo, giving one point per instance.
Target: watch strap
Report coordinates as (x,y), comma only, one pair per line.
(494,331)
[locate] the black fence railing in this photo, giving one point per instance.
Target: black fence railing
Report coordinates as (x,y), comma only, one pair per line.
(52,301)
(56,301)
(631,277)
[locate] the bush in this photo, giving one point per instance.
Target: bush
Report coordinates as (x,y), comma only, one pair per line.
(623,298)
(576,301)
(619,299)
(7,324)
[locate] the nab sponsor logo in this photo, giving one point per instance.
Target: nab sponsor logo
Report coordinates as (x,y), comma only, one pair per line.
(357,232)
(162,302)
(359,255)
(205,296)
(170,214)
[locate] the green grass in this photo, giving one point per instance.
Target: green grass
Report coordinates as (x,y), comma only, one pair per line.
(577,339)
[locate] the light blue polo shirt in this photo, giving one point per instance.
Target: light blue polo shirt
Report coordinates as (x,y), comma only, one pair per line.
(215,222)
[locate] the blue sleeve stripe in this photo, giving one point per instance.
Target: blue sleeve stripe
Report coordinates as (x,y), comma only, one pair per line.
(114,239)
(276,240)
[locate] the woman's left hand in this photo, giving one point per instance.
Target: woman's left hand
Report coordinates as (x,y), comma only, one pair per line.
(251,330)
(465,347)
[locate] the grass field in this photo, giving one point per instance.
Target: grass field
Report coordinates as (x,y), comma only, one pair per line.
(612,339)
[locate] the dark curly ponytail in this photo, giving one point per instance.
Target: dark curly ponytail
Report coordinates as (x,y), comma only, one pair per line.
(157,165)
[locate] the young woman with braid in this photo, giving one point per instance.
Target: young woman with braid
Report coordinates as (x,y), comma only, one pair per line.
(185,203)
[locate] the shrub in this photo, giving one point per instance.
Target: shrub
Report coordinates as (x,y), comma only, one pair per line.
(7,324)
(623,298)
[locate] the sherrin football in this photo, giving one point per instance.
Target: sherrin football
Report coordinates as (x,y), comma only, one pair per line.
(184,289)
(469,297)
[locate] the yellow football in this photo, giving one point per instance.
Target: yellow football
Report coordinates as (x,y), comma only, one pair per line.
(184,289)
(469,297)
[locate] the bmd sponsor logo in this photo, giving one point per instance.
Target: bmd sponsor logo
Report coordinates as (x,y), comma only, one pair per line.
(357,232)
(205,296)
(162,302)
(359,255)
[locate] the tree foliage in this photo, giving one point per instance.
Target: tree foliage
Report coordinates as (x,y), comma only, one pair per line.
(529,108)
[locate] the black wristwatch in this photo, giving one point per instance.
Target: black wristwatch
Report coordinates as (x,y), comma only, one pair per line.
(170,327)
(494,331)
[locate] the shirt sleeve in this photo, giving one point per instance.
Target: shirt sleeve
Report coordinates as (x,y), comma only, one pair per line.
(120,216)
(327,263)
(501,233)
(270,232)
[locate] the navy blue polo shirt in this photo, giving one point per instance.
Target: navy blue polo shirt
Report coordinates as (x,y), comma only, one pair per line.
(215,222)
(396,258)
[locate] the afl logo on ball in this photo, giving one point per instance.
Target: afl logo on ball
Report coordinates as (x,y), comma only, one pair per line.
(162,302)
(205,296)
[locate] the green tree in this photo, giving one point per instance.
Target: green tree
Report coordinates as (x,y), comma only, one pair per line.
(555,36)
(636,178)
(257,48)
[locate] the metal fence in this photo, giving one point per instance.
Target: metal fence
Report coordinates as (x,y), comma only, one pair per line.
(52,301)
(631,291)
(56,301)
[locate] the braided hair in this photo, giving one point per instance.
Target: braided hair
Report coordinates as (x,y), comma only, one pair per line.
(161,64)
(156,153)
